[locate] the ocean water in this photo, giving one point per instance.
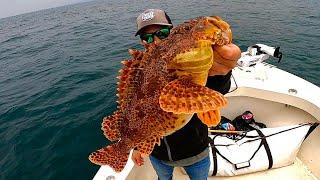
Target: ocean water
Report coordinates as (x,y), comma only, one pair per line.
(58,71)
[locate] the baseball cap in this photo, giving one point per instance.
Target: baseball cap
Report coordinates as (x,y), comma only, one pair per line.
(152,16)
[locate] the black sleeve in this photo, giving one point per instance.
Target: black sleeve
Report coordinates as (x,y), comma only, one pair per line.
(220,83)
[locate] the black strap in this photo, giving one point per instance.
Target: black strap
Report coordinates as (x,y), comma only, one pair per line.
(266,146)
(214,149)
(264,142)
(217,151)
(301,125)
(257,138)
(214,157)
(313,126)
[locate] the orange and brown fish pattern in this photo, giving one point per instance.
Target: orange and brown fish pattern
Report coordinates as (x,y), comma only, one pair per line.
(159,90)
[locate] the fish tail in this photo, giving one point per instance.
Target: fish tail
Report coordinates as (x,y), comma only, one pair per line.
(111,155)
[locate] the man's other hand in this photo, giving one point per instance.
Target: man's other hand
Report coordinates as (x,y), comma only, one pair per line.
(225,59)
(137,158)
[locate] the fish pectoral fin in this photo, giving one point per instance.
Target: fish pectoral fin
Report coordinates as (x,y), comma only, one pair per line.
(146,147)
(111,155)
(183,96)
(110,126)
(210,118)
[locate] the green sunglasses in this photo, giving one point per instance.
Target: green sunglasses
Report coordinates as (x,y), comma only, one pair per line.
(161,34)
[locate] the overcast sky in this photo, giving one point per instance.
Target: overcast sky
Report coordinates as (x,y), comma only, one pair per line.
(15,7)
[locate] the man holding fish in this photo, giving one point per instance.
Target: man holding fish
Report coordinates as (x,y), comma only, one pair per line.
(187,147)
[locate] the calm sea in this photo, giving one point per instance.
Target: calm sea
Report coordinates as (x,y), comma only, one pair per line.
(58,69)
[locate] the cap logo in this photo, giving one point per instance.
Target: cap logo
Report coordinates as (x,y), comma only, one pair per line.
(147,16)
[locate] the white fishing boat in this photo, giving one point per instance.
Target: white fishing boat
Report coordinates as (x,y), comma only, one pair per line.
(277,98)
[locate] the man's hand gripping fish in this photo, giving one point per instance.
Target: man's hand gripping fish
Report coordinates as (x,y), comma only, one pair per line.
(159,90)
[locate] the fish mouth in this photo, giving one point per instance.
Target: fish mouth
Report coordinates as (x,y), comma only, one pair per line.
(195,60)
(215,31)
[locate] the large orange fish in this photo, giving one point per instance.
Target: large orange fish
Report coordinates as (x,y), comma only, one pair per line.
(159,90)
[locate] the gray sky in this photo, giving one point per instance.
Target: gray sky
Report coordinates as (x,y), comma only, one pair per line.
(15,7)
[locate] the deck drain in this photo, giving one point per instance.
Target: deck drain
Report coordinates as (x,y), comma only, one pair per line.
(292,91)
(111,177)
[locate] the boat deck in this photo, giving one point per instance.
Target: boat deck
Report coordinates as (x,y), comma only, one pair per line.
(273,114)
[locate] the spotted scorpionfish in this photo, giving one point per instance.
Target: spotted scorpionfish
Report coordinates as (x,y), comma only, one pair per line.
(160,89)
